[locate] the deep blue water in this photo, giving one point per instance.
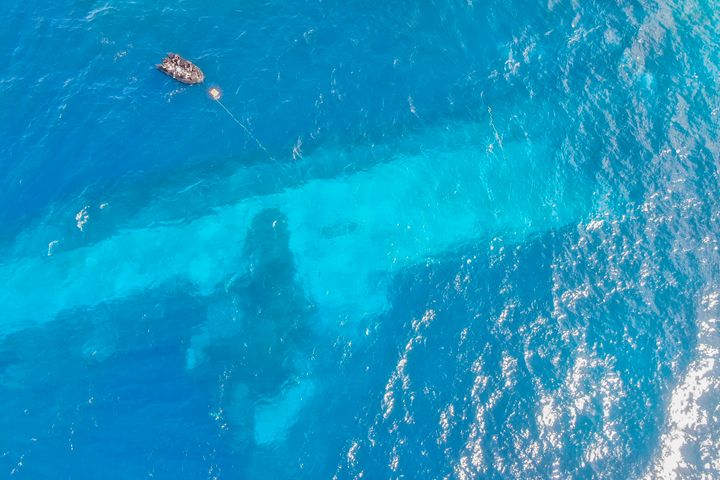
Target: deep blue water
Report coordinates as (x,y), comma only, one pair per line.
(475,240)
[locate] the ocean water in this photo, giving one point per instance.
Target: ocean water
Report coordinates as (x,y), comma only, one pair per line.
(461,240)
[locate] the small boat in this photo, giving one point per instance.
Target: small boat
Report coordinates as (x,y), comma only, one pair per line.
(180,69)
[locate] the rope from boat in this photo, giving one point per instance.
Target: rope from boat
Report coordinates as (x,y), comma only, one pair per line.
(242,125)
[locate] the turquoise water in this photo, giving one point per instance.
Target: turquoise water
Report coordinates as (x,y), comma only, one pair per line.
(462,240)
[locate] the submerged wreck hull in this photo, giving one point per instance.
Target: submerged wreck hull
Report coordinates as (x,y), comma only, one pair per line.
(181,69)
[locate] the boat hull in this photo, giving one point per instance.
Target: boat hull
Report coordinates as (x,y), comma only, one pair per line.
(181,69)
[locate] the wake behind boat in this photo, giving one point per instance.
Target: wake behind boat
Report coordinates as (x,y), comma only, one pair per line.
(181,70)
